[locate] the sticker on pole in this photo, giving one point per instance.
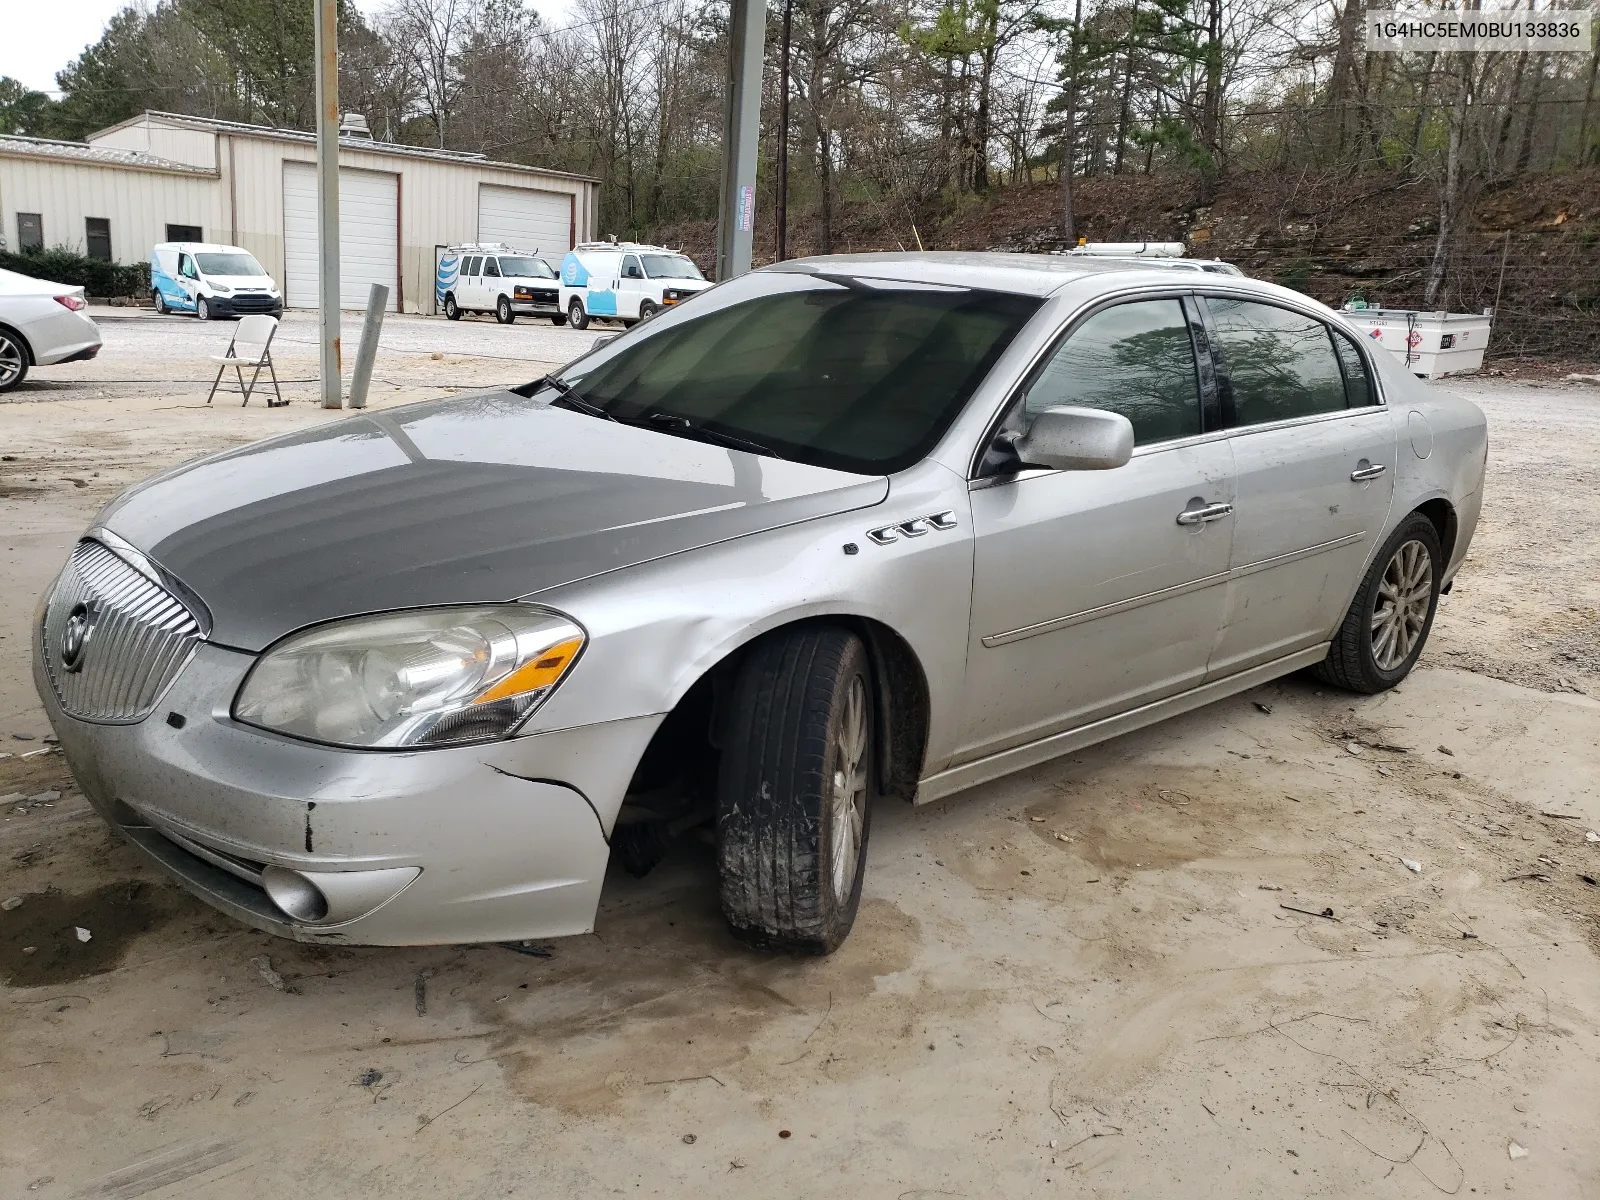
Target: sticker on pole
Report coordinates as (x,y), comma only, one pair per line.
(747,208)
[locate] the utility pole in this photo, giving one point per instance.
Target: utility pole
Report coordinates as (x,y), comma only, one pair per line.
(327,45)
(783,138)
(741,129)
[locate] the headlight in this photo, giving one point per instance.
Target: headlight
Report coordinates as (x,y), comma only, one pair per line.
(221,289)
(433,677)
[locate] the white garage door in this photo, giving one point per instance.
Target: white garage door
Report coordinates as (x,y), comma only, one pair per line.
(526,220)
(369,250)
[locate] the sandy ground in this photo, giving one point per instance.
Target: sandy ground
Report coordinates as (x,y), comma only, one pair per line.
(1103,977)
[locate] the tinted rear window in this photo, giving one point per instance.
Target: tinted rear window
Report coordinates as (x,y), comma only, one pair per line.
(1279,363)
(863,377)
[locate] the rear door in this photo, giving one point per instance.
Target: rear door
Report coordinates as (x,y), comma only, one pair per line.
(467,286)
(1315,451)
(1097,591)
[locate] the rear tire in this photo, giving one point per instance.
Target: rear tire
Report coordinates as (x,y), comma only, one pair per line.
(161,302)
(795,790)
(576,317)
(452,311)
(502,311)
(1389,620)
(13,360)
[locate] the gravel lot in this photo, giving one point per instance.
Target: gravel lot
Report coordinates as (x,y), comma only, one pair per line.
(1102,977)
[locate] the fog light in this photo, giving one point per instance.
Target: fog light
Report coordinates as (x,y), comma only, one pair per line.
(295,894)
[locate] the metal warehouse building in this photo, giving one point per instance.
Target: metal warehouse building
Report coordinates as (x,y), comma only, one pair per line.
(165,177)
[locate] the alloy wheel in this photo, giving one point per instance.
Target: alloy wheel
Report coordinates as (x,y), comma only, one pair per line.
(1405,595)
(849,791)
(11,361)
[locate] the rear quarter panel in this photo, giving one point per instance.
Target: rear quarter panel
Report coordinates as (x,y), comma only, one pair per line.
(1441,453)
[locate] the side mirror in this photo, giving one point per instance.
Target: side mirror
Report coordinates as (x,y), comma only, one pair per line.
(1069,438)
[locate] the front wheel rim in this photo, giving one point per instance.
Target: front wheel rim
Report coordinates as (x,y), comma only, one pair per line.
(1405,596)
(848,793)
(10,362)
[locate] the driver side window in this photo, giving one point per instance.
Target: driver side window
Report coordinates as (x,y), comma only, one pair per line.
(631,268)
(186,267)
(1136,359)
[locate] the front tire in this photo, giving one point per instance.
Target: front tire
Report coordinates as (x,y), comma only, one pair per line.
(202,308)
(452,311)
(794,791)
(647,309)
(1389,620)
(502,311)
(576,317)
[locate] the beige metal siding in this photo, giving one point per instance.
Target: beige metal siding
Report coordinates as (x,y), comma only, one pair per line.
(139,204)
(180,143)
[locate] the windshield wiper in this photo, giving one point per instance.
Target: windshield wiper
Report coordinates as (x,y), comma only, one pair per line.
(671,423)
(575,399)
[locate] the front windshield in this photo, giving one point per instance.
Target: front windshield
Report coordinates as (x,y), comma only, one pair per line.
(670,266)
(861,376)
(228,264)
(524,268)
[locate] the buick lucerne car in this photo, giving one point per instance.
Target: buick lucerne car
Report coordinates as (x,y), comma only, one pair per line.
(839,531)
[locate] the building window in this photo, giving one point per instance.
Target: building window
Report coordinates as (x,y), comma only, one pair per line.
(30,232)
(97,236)
(185,233)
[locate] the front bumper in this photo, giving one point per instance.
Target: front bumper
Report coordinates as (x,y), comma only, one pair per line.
(496,842)
(240,306)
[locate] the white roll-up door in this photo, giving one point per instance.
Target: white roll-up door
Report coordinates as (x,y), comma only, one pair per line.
(369,242)
(525,219)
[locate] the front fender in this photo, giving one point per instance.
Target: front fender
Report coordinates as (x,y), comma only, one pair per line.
(656,629)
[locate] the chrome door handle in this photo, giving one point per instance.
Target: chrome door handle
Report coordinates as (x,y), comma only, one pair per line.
(1200,516)
(1370,471)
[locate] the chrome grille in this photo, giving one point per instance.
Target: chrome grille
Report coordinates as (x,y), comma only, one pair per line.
(139,637)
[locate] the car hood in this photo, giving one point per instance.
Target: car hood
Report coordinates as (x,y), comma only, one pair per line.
(478,498)
(261,283)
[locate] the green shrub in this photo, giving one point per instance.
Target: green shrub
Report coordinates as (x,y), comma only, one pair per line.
(94,276)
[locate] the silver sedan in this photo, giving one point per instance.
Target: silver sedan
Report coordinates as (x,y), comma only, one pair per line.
(837,531)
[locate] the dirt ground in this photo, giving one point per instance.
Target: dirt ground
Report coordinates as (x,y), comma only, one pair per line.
(1190,961)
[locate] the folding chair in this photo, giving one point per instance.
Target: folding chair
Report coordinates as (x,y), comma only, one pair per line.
(251,346)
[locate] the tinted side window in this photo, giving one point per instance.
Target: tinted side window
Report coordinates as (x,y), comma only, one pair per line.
(1277,363)
(631,268)
(472,265)
(30,231)
(1357,386)
(1135,359)
(491,267)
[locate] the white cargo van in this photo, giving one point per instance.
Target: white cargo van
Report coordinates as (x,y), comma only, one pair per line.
(211,280)
(625,281)
(490,277)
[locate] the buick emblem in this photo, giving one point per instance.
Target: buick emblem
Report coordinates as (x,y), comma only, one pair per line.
(80,624)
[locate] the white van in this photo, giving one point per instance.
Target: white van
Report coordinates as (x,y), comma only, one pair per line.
(490,277)
(625,281)
(211,280)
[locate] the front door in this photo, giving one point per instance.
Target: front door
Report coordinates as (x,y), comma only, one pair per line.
(188,281)
(1097,591)
(630,286)
(1315,454)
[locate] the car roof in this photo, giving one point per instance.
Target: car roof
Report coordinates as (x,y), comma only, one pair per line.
(200,247)
(1024,274)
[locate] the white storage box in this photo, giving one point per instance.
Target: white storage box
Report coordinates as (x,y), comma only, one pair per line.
(1430,344)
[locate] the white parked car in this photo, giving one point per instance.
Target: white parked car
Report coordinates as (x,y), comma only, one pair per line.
(211,280)
(625,281)
(493,278)
(41,324)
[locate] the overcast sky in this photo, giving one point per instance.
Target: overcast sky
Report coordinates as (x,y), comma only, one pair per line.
(41,38)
